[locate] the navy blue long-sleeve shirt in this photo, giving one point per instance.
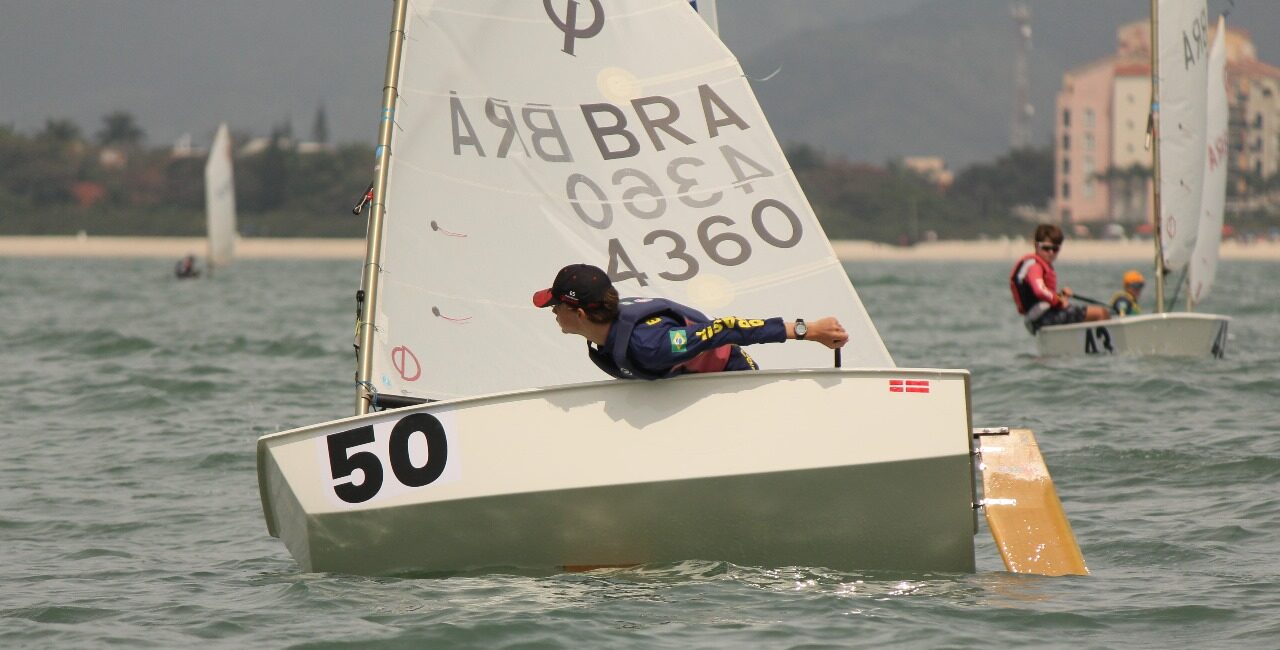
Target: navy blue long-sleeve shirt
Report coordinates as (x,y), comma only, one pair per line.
(663,342)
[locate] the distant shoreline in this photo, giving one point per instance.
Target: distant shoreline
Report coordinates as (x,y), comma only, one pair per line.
(176,247)
(994,250)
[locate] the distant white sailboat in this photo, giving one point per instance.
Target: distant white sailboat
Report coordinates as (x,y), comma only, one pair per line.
(530,135)
(220,202)
(1189,158)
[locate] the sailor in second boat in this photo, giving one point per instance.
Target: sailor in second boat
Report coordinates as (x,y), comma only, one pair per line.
(1035,286)
(653,338)
(1125,303)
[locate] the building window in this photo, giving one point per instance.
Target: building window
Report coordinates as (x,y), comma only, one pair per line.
(1066,142)
(1128,124)
(1257,121)
(1088,118)
(1257,167)
(1088,142)
(1130,98)
(1088,188)
(1066,166)
(1066,190)
(1066,117)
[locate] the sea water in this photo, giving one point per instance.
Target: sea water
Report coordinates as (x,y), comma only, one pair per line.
(129,510)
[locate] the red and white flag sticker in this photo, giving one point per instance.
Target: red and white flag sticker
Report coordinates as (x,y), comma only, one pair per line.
(908,385)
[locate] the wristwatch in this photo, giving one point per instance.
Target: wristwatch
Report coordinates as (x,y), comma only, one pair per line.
(801,329)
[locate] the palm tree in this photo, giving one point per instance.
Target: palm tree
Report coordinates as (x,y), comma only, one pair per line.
(120,129)
(60,131)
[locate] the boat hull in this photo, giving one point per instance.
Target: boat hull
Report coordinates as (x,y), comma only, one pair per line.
(1178,334)
(846,469)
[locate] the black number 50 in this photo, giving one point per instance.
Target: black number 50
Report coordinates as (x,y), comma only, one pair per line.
(343,464)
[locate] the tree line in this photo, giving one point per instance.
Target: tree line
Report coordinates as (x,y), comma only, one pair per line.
(60,181)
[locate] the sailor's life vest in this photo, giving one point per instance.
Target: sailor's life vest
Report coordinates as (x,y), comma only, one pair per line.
(1033,305)
(1123,304)
(631,312)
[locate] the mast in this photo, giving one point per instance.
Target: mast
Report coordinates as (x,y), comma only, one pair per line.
(707,9)
(1020,127)
(1154,134)
(373,239)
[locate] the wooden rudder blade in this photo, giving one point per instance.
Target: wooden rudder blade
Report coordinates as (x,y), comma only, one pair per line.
(1022,508)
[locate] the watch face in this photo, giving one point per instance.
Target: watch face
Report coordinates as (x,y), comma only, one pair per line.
(801,329)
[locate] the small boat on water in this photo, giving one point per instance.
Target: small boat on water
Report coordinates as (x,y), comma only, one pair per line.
(1189,158)
(519,137)
(186,269)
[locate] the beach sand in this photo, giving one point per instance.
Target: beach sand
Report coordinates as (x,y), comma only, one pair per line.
(281,248)
(1009,250)
(176,247)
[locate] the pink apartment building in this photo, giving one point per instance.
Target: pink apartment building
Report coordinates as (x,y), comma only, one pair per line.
(1102,163)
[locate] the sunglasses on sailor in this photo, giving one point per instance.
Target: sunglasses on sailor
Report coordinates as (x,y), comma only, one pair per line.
(1052,248)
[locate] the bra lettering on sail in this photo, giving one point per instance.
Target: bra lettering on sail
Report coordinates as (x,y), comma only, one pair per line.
(615,132)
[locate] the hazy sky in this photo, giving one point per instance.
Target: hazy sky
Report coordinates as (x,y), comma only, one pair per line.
(183,66)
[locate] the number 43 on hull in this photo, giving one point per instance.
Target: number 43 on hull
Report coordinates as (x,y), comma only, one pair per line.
(1171,334)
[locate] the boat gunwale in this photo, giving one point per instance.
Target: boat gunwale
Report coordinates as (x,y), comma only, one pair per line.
(618,384)
(1133,320)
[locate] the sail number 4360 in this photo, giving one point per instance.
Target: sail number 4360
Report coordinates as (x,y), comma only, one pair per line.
(344,463)
(646,199)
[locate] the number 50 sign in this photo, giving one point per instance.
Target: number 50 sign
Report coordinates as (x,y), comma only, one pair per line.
(390,458)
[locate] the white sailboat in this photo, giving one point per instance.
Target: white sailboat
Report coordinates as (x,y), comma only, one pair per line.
(1189,158)
(621,133)
(220,201)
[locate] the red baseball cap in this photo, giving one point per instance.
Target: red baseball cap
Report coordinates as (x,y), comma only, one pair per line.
(578,285)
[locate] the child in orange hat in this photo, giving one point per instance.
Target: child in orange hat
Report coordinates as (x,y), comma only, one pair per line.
(1125,303)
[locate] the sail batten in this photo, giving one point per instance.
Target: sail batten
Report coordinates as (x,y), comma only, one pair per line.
(624,136)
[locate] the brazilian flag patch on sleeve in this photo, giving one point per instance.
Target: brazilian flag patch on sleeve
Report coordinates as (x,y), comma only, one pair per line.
(679,339)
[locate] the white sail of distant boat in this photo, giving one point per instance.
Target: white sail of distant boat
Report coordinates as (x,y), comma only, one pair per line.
(707,9)
(1204,260)
(1181,78)
(622,133)
(220,201)
(1180,99)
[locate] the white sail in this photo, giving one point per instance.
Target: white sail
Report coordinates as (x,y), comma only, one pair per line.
(707,9)
(1204,261)
(1182,71)
(533,135)
(220,200)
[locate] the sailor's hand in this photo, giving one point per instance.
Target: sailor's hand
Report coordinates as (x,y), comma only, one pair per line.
(827,331)
(1067,292)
